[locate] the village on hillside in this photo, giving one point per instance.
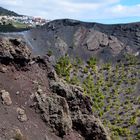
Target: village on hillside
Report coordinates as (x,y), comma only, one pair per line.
(27,21)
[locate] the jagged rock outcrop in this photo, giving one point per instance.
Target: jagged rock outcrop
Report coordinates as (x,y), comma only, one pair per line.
(14,51)
(55,112)
(115,45)
(61,45)
(95,40)
(73,95)
(80,109)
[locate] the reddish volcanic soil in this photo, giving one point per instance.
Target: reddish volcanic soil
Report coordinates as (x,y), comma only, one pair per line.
(21,85)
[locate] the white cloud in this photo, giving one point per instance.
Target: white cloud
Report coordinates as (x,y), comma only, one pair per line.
(124,11)
(9,2)
(80,9)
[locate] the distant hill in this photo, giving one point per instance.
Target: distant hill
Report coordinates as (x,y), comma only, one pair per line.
(5,12)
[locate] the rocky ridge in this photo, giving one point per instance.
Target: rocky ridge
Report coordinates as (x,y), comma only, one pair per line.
(83,40)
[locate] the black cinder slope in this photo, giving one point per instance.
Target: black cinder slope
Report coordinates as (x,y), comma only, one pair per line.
(85,39)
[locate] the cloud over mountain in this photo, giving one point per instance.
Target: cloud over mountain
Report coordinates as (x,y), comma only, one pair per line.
(89,10)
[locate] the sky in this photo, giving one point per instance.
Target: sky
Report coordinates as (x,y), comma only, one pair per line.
(103,11)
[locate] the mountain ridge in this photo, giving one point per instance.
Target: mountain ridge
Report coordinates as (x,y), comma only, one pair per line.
(70,32)
(5,12)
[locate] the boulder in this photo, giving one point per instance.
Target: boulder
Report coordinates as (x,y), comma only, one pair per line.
(22,117)
(115,45)
(3,69)
(90,127)
(6,97)
(95,40)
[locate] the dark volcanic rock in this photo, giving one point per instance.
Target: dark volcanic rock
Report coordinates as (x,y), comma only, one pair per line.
(73,95)
(90,127)
(15,51)
(55,112)
(82,118)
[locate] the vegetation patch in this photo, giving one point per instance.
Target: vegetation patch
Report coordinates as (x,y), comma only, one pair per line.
(112,89)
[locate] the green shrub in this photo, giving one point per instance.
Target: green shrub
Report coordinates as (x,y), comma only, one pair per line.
(133,120)
(118,130)
(74,80)
(92,62)
(63,66)
(85,70)
(49,53)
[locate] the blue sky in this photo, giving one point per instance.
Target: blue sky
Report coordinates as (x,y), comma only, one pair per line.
(103,11)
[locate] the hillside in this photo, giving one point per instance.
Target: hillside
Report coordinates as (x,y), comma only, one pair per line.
(72,79)
(9,26)
(31,110)
(84,40)
(5,12)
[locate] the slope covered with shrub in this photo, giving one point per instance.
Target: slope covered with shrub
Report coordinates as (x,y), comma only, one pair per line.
(113,89)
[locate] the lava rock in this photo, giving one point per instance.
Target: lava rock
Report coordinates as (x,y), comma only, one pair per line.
(55,113)
(21,115)
(80,108)
(6,97)
(13,50)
